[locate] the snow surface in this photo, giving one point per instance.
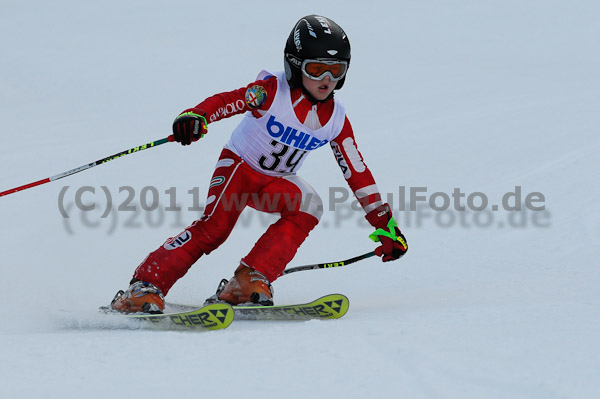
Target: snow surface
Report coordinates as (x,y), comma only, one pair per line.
(478,95)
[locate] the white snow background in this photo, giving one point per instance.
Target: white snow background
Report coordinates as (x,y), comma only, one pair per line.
(477,95)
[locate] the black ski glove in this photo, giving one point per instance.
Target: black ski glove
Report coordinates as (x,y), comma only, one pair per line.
(189,127)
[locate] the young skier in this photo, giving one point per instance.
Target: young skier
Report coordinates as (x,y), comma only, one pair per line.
(288,115)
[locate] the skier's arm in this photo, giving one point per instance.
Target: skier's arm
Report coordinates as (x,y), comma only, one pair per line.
(357,174)
(191,124)
(362,183)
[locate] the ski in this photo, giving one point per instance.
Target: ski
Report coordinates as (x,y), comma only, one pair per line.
(331,306)
(215,316)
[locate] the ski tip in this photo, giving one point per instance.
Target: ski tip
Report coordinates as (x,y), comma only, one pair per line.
(337,304)
(220,315)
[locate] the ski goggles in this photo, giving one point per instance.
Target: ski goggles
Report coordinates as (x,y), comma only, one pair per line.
(318,69)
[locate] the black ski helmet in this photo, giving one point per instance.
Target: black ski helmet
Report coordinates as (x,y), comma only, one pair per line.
(316,37)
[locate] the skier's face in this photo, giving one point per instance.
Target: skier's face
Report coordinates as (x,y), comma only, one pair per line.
(319,89)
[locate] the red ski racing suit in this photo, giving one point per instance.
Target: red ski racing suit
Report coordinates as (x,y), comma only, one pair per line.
(257,168)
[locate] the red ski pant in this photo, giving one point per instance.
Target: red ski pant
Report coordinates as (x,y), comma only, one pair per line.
(234,186)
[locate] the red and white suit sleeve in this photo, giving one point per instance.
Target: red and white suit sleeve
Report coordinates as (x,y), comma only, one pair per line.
(227,104)
(355,171)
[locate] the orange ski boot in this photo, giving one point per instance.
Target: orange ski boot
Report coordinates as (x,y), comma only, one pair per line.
(247,286)
(139,297)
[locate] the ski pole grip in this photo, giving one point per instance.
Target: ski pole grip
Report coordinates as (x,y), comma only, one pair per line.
(171,138)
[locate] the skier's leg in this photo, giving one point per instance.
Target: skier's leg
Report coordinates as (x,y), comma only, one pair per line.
(300,208)
(224,204)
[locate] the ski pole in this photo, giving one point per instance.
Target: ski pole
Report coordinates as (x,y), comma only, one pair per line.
(89,165)
(330,264)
